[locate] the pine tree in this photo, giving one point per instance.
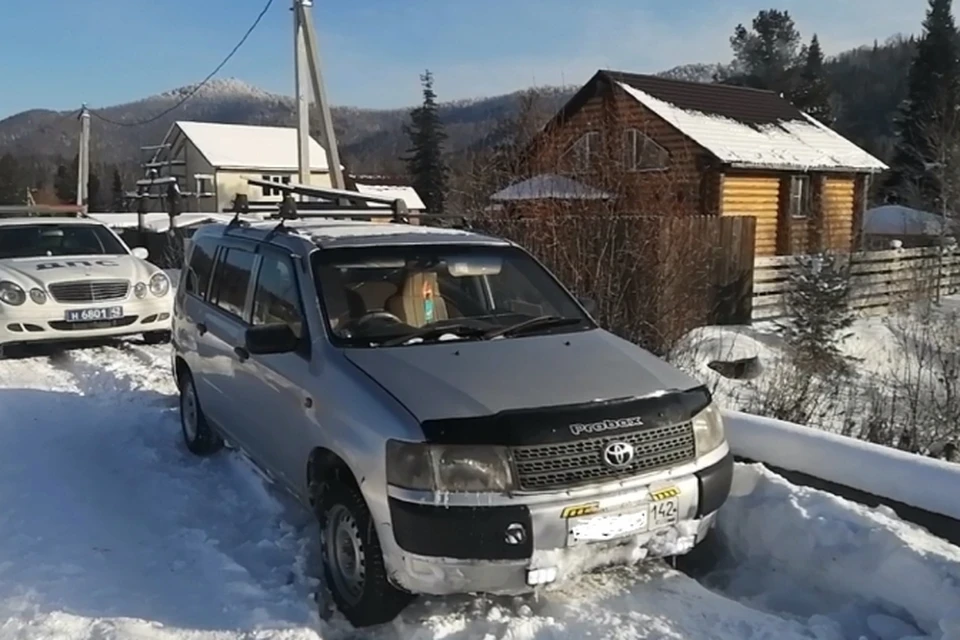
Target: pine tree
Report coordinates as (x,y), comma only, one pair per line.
(117,193)
(12,189)
(765,54)
(933,91)
(94,201)
(425,161)
(65,183)
(812,94)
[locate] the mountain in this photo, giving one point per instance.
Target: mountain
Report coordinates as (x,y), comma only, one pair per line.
(867,84)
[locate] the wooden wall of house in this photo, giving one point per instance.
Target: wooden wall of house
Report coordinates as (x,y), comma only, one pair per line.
(758,196)
(682,189)
(838,212)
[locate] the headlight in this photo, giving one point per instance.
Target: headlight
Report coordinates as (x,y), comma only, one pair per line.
(38,296)
(708,430)
(140,290)
(12,293)
(428,467)
(159,284)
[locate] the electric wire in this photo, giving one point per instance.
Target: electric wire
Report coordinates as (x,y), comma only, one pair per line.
(199,86)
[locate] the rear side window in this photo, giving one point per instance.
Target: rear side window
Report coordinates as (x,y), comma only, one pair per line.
(200,267)
(233,277)
(276,299)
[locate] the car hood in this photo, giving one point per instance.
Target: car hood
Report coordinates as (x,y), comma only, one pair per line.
(460,379)
(39,272)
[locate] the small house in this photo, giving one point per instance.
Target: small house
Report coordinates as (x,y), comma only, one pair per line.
(670,147)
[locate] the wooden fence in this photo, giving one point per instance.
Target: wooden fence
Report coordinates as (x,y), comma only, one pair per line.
(879,280)
(654,278)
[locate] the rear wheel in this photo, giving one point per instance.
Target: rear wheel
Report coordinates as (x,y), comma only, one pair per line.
(199,437)
(352,558)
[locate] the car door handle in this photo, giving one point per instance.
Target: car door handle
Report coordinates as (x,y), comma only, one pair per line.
(242,353)
(201,328)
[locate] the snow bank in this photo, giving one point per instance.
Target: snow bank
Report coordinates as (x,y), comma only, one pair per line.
(793,550)
(882,471)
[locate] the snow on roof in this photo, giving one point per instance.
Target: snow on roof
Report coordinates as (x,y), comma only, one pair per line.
(787,145)
(549,186)
(408,194)
(894,219)
(159,222)
(241,146)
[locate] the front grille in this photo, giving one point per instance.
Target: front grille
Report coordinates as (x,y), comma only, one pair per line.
(568,464)
(90,290)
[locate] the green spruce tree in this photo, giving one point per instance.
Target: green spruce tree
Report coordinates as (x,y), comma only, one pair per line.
(933,91)
(65,182)
(425,161)
(94,200)
(12,187)
(812,93)
(765,54)
(118,200)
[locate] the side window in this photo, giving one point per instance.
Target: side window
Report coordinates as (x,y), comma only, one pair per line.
(233,277)
(276,299)
(200,268)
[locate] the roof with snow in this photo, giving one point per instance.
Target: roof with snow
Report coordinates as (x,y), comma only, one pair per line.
(549,186)
(396,192)
(742,127)
(894,219)
(254,147)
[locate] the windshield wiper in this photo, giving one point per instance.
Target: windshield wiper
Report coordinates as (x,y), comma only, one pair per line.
(458,329)
(540,322)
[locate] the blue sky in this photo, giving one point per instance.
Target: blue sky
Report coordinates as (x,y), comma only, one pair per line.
(57,54)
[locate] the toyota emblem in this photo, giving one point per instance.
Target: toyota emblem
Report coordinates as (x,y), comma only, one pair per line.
(618,454)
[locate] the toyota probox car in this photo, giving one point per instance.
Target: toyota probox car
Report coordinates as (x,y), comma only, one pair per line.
(69,279)
(451,413)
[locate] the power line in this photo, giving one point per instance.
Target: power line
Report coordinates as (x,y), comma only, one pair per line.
(196,89)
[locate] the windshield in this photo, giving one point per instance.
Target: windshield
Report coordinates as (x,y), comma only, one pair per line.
(393,296)
(39,240)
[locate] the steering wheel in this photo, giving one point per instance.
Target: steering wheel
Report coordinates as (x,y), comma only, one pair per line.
(370,316)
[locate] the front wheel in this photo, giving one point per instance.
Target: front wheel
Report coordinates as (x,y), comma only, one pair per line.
(353,560)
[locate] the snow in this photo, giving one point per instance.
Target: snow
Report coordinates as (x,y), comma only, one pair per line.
(882,471)
(160,222)
(112,530)
(408,194)
(253,147)
(549,186)
(800,145)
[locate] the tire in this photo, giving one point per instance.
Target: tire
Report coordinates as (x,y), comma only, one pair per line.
(156,337)
(366,598)
(199,437)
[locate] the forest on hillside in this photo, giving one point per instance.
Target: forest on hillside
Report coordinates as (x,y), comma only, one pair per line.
(858,92)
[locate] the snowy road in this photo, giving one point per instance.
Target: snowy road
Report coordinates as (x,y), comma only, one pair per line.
(110,529)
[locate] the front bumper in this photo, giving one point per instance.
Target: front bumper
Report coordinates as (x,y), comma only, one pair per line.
(31,323)
(514,548)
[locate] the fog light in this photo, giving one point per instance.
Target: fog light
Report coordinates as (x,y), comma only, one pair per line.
(541,576)
(515,534)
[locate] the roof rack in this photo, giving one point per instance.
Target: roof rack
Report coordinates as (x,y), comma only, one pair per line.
(27,210)
(331,203)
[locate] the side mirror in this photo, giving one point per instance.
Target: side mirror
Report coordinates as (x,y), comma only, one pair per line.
(589,304)
(140,252)
(271,338)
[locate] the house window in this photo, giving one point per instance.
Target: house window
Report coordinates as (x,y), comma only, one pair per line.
(269,191)
(640,153)
(800,196)
(585,151)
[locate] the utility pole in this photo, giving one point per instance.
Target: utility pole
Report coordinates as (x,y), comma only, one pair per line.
(307,64)
(83,158)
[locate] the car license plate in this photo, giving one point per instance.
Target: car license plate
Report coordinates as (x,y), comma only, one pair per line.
(93,315)
(621,524)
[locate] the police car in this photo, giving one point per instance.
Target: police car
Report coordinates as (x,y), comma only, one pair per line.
(72,278)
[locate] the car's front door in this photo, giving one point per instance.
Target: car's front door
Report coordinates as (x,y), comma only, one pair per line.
(223,331)
(275,385)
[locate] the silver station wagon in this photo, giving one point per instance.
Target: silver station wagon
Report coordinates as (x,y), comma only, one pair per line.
(449,410)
